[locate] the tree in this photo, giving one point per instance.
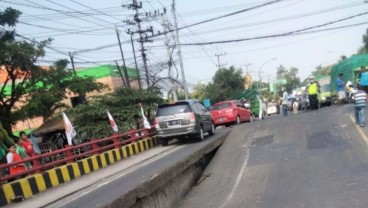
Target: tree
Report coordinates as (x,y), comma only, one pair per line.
(52,87)
(364,48)
(199,91)
(29,90)
(322,70)
(290,75)
(123,104)
(225,84)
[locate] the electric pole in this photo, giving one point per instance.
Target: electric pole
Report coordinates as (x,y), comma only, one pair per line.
(122,56)
(165,25)
(71,56)
(121,74)
(137,21)
(179,51)
(135,63)
(219,65)
(247,65)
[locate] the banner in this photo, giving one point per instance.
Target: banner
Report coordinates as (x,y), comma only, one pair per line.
(69,129)
(112,122)
(145,121)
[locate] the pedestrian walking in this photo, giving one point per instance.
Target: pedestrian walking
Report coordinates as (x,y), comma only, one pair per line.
(284,101)
(360,98)
(313,90)
(340,88)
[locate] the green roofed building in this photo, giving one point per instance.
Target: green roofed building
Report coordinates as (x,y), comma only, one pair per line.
(105,74)
(107,70)
(349,67)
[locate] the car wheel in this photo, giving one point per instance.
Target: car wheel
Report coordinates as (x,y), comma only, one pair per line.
(237,120)
(212,131)
(200,134)
(164,142)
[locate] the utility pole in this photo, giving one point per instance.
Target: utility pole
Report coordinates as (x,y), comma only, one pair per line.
(165,25)
(219,65)
(247,65)
(71,56)
(179,51)
(122,56)
(121,74)
(135,63)
(137,21)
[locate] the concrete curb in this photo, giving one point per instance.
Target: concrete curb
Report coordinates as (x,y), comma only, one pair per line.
(155,191)
(29,186)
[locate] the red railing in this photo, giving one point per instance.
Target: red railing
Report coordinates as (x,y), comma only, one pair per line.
(70,154)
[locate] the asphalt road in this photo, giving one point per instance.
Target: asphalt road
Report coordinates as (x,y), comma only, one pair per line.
(100,188)
(315,159)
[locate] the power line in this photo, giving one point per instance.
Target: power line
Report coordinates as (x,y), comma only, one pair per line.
(276,35)
(293,17)
(103,13)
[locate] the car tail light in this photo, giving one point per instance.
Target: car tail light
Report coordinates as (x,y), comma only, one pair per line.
(155,123)
(192,117)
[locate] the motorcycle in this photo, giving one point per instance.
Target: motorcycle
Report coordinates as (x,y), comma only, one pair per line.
(350,89)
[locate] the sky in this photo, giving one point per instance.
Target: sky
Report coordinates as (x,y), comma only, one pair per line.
(83,26)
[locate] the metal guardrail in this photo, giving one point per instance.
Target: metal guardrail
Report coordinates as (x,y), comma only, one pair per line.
(74,153)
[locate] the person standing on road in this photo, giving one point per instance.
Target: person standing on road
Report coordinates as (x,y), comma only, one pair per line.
(284,101)
(362,79)
(360,98)
(313,90)
(340,88)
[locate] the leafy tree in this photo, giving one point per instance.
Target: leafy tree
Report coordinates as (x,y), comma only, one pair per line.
(322,70)
(5,140)
(364,48)
(199,91)
(28,90)
(225,84)
(123,104)
(292,80)
(52,87)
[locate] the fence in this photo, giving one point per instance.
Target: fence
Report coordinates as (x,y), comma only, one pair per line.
(71,154)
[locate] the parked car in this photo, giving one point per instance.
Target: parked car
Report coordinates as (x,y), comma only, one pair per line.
(181,120)
(271,109)
(229,112)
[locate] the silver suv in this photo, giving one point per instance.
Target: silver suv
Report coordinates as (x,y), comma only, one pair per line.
(182,119)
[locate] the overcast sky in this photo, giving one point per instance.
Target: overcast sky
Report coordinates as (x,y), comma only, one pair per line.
(74,26)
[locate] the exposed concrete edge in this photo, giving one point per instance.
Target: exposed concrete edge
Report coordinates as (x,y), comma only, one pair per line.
(149,187)
(31,185)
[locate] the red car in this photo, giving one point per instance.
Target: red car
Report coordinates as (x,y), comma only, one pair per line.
(229,112)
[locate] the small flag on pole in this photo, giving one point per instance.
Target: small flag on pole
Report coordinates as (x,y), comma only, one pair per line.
(112,122)
(69,129)
(145,121)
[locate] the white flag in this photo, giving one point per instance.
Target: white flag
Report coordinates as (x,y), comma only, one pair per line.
(69,129)
(112,122)
(145,121)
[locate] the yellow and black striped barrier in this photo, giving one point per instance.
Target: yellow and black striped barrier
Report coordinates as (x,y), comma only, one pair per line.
(29,186)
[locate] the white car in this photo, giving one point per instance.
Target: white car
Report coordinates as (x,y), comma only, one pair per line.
(271,109)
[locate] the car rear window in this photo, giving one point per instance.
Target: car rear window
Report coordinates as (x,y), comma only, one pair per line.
(166,110)
(221,106)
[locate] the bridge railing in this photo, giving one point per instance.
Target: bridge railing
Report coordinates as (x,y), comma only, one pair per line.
(71,154)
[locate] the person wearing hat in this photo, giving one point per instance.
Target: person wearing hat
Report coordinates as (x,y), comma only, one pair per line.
(340,88)
(313,90)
